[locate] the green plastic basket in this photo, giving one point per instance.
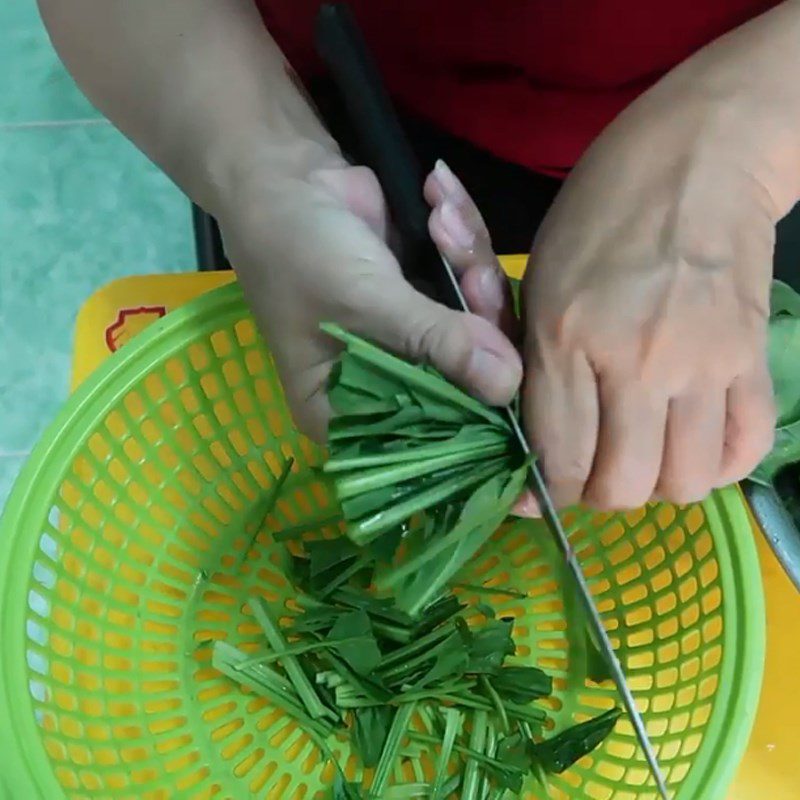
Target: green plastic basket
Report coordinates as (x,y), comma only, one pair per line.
(144,480)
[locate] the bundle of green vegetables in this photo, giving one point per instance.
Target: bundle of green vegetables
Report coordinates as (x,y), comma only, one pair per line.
(353,665)
(416,461)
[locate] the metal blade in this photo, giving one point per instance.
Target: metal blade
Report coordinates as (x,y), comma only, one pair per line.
(551,519)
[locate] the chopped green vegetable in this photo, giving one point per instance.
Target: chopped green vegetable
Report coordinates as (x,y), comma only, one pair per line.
(391,749)
(262,509)
(269,684)
(371,727)
(784,358)
(302,685)
(521,685)
(561,751)
(477,742)
(344,790)
(784,301)
(363,656)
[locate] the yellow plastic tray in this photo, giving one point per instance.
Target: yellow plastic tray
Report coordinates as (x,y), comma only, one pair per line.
(770,769)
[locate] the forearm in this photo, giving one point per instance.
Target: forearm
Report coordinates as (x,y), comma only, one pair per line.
(198,85)
(750,77)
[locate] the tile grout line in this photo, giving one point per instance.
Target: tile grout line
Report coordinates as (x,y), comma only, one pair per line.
(54,123)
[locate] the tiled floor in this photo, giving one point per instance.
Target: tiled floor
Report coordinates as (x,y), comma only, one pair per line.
(79,206)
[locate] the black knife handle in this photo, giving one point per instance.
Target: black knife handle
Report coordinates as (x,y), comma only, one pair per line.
(383,144)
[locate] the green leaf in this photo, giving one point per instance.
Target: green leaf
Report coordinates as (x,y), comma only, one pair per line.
(784,301)
(422,577)
(371,727)
(391,749)
(302,649)
(327,555)
(343,790)
(264,506)
(597,667)
(453,724)
(490,645)
(409,375)
(514,752)
(477,742)
(362,657)
(522,684)
(497,766)
(785,451)
(496,701)
(438,612)
(405,791)
(451,660)
(499,591)
(302,685)
(560,752)
(267,683)
(331,563)
(372,690)
(378,608)
(402,655)
(400,672)
(784,367)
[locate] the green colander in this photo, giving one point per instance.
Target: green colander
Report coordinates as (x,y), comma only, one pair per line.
(145,479)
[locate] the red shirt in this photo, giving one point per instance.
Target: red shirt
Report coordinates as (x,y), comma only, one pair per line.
(533,81)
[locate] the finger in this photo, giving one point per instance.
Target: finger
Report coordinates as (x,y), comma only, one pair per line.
(561,414)
(460,233)
(526,506)
(693,447)
(456,224)
(630,444)
(465,348)
(749,425)
(488,294)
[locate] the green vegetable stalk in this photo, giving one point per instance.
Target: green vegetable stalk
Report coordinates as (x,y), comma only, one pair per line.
(413,457)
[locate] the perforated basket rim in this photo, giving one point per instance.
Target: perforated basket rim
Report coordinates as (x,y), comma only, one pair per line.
(27,770)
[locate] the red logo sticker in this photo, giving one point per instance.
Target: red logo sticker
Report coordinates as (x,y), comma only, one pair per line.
(129,322)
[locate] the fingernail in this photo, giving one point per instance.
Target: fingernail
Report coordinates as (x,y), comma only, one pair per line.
(492,288)
(451,185)
(456,227)
(526,506)
(490,376)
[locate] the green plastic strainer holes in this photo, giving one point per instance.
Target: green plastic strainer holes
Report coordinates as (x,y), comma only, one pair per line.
(145,479)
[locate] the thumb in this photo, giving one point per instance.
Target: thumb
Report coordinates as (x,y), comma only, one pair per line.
(468,350)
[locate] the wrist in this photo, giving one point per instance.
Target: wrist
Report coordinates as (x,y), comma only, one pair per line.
(256,160)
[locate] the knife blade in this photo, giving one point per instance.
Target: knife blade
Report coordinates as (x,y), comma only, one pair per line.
(387,151)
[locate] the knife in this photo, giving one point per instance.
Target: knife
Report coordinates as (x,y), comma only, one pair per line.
(385,149)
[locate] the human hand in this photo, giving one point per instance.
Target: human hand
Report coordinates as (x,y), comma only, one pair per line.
(647,306)
(311,246)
